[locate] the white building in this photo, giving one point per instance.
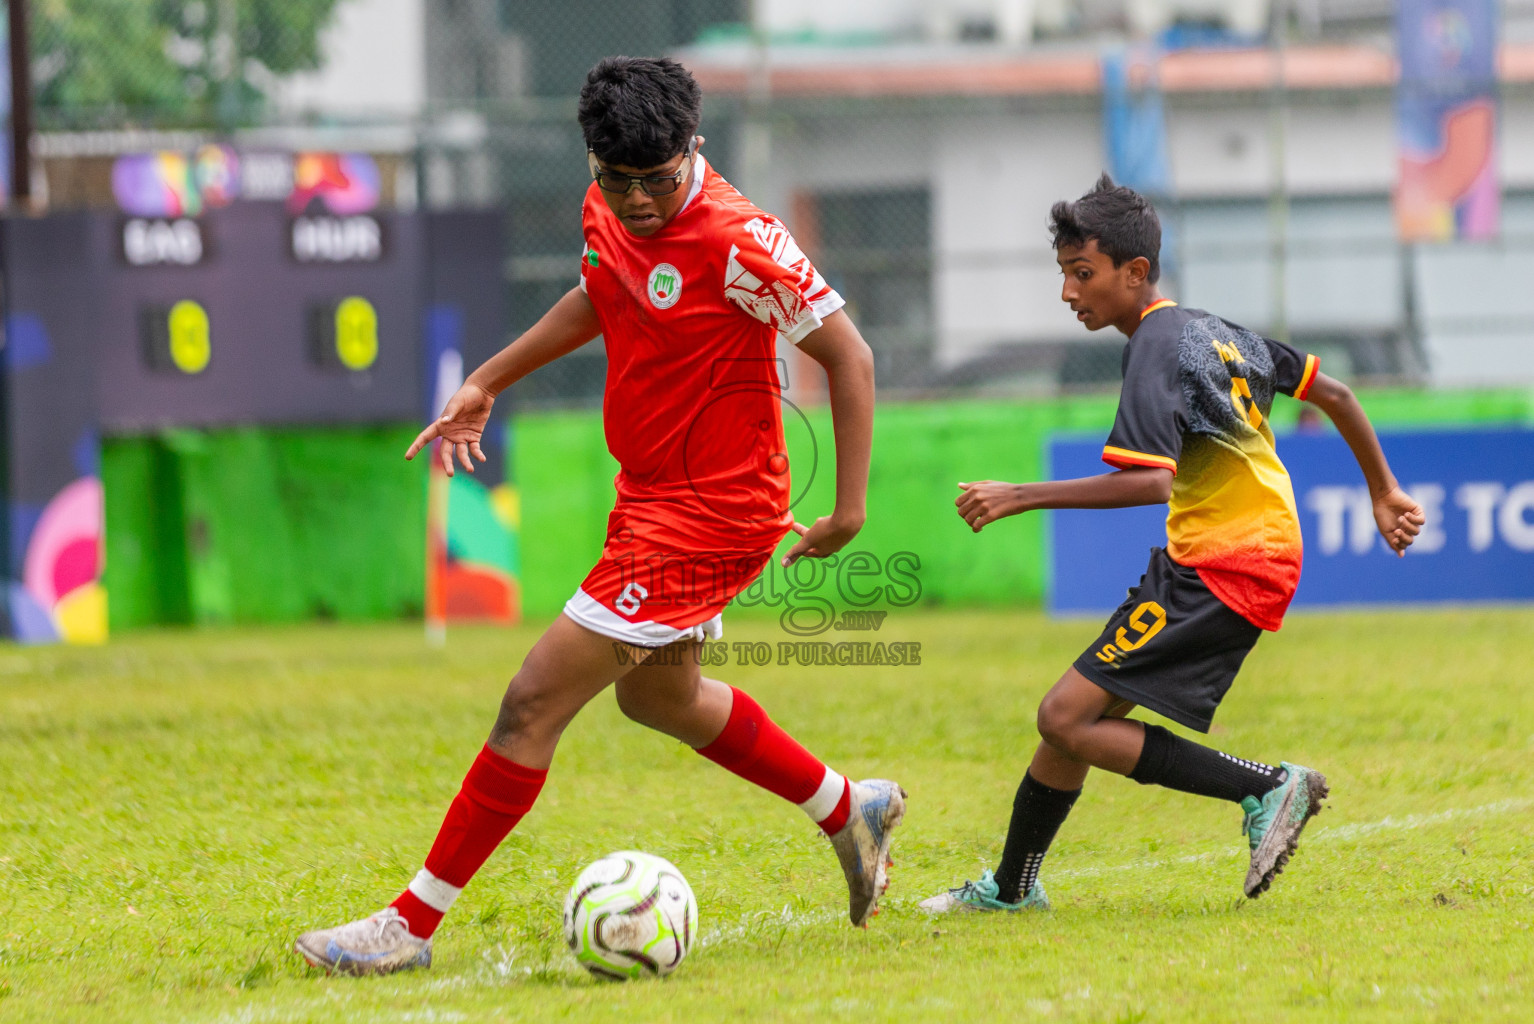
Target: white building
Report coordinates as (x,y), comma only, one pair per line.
(918,146)
(993,138)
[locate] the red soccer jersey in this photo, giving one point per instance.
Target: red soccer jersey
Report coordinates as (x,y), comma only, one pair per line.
(690,317)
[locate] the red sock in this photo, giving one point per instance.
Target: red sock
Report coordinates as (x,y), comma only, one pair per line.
(755,748)
(494,796)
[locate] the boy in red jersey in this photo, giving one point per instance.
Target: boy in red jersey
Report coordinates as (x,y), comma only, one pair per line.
(689,286)
(1192,427)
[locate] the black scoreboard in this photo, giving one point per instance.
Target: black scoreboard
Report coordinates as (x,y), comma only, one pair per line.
(250,315)
(247,314)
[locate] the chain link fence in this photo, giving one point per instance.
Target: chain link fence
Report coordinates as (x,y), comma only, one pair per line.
(925,206)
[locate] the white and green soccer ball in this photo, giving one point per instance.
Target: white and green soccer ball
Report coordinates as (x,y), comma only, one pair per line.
(629,915)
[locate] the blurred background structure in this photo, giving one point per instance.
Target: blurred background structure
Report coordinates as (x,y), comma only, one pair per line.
(913,147)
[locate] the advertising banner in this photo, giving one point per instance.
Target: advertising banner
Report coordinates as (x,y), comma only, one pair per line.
(473,519)
(1134,123)
(1446,119)
(55,515)
(1477,488)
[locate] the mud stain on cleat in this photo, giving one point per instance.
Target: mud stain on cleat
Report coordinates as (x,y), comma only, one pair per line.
(1316,790)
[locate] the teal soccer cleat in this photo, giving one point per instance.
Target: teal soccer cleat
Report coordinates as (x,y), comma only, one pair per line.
(982,895)
(1273,824)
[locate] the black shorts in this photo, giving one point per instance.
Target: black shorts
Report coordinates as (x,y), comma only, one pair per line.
(1172,646)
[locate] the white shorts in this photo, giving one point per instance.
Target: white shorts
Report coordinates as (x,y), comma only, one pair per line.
(584,610)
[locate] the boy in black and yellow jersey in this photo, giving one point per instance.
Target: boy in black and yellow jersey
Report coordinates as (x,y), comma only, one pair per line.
(1191,428)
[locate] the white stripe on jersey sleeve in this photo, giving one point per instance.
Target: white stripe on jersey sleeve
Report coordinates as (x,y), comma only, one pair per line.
(797,302)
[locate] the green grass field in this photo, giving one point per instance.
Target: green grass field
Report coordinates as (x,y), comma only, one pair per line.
(175,807)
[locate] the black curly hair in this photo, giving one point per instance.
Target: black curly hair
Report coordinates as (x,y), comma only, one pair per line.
(639,111)
(1121,220)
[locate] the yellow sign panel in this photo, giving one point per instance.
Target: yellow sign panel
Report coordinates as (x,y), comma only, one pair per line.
(356,333)
(190,342)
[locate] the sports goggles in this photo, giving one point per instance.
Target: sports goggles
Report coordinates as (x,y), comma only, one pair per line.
(652,184)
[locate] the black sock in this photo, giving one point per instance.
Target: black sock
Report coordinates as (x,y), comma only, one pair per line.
(1176,763)
(1037,813)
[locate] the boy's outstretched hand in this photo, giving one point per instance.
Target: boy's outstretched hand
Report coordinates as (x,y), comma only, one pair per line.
(460,427)
(822,538)
(1399,518)
(987,501)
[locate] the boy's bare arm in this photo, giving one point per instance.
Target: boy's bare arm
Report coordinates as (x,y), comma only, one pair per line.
(568,325)
(849,365)
(1397,515)
(986,501)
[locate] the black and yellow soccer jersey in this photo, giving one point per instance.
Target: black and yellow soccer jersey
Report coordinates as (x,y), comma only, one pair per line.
(1196,396)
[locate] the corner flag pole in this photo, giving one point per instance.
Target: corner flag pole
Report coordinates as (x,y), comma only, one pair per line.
(449,378)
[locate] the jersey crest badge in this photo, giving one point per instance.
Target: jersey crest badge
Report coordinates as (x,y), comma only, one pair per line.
(665,286)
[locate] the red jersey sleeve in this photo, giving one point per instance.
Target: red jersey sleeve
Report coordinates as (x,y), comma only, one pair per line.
(770,278)
(589,258)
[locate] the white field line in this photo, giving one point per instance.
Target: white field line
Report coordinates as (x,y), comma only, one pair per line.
(503,964)
(1322,834)
(763,923)
(510,963)
(1317,835)
(1411,821)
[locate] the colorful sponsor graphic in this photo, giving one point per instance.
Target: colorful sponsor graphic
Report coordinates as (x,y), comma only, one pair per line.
(338,183)
(479,579)
(216,172)
(61,596)
(1446,117)
(171,184)
(471,529)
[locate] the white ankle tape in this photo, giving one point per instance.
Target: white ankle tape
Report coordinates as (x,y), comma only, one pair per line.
(820,806)
(433,891)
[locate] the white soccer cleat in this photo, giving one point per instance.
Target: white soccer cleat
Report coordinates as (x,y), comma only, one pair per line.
(381,944)
(863,844)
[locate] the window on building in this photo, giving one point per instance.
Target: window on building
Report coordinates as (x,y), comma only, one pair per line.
(875,247)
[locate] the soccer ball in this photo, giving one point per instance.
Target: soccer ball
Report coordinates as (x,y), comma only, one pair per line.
(630,914)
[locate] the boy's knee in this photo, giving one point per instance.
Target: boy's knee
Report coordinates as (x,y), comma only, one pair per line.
(632,703)
(526,710)
(646,705)
(1056,724)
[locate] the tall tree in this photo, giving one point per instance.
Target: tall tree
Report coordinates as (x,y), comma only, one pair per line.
(168,62)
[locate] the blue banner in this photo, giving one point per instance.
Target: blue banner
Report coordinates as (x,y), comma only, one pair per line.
(1447,44)
(1477,489)
(1134,134)
(1446,120)
(1134,124)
